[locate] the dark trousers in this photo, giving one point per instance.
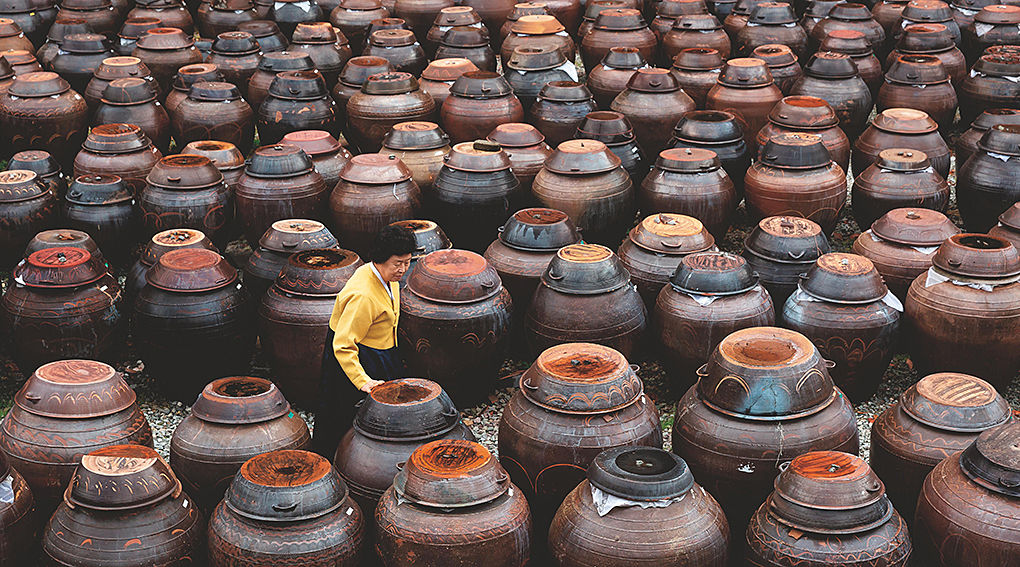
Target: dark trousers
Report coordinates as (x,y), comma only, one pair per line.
(339,399)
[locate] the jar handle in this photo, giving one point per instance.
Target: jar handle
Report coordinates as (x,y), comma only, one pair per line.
(67,495)
(668,244)
(784,465)
(829,364)
(32,397)
(635,368)
(174,179)
(954,263)
(702,371)
(285,507)
(797,256)
(527,384)
(488,284)
(400,465)
(450,413)
(502,479)
(1009,480)
(553,276)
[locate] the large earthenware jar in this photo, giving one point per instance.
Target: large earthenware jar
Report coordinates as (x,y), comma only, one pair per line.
(297,100)
(422,147)
(529,69)
(270,65)
(967,142)
(27,205)
(616,132)
(920,82)
(526,148)
(560,107)
(40,111)
(44,165)
(694,31)
(21,519)
(224,16)
(934,40)
(815,12)
(440,75)
(468,42)
(130,31)
(133,101)
(214,111)
(281,240)
(810,115)
(478,102)
(103,206)
(374,191)
(386,99)
(164,51)
(158,245)
(610,78)
(279,182)
(617,28)
(78,58)
(352,18)
(187,191)
(746,89)
(653,103)
(854,44)
(847,16)
(769,23)
(233,420)
(782,63)
(989,86)
(834,78)
(399,47)
(720,132)
(328,154)
(236,54)
(183,80)
(536,32)
(1009,225)
(986,184)
(697,70)
(900,178)
(118,149)
(329,51)
(779,249)
(46,432)
(691,182)
(901,128)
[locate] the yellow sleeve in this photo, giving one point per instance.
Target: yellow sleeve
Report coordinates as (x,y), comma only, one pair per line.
(356,318)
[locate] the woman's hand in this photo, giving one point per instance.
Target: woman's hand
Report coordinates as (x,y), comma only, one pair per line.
(370,385)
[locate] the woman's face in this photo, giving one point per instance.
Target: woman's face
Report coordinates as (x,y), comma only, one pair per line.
(393,269)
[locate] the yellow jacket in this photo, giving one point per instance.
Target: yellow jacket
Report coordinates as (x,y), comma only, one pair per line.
(363,314)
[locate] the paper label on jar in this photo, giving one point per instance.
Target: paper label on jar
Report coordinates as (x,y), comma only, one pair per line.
(570,69)
(893,301)
(981,29)
(1000,157)
(605,502)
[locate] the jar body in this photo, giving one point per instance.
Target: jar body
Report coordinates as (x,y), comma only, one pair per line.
(58,123)
(473,205)
(986,186)
(833,138)
(873,141)
(707,196)
(597,43)
(370,117)
(113,226)
(132,167)
(616,319)
(424,164)
(817,194)
(261,201)
(850,98)
(605,83)
(558,120)
(878,191)
(677,40)
(755,35)
(898,264)
(653,116)
(468,119)
(981,92)
(751,106)
(358,211)
(20,221)
(600,204)
(696,83)
(226,121)
(278,117)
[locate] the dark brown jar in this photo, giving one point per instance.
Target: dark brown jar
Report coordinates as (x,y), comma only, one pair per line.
(62,238)
(811,115)
(40,109)
(329,51)
(224,155)
(284,238)
(354,75)
(187,191)
(854,44)
(233,420)
(887,14)
(236,56)
(848,16)
(133,28)
(592,10)
(782,64)
(27,205)
(967,142)
(610,78)
(993,25)
(816,11)
(668,11)
(352,18)
(694,31)
(160,244)
(224,16)
(780,249)
(737,18)
(584,179)
(711,295)
(452,491)
(440,75)
(478,102)
(103,206)
(422,147)
(617,28)
(47,439)
(214,111)
(289,13)
(78,58)
(940,415)
(100,14)
(1009,225)
(386,99)
(746,408)
(102,503)
(922,83)
(270,65)
(526,148)
(833,77)
(599,398)
(54,37)
(194,303)
(900,178)
(985,184)
(656,246)
(447,19)
(987,86)
(796,176)
(22,62)
(944,312)
(524,9)
(419,15)
(471,43)
(454,298)
(185,79)
(171,13)
(901,128)
(690,181)
(21,518)
(374,191)
(44,165)
(746,89)
(400,48)
(133,101)
(771,23)
(267,33)
(279,182)
(297,100)
(902,243)
(928,12)
(965,10)
(653,102)
(586,295)
(615,131)
(934,40)
(538,31)
(529,69)
(560,107)
(720,132)
(164,51)
(384,24)
(114,68)
(328,155)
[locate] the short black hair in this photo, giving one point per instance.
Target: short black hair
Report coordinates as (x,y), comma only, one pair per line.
(393,240)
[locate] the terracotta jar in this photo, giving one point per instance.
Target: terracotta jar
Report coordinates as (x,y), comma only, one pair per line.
(352,18)
(526,148)
(984,185)
(690,181)
(987,86)
(585,180)
(887,14)
(573,391)
(471,43)
(386,99)
(214,111)
(40,109)
(653,102)
(383,24)
(400,48)
(795,175)
(418,15)
(694,31)
(967,142)
(815,12)
(529,69)
(12,35)
(236,55)
(187,191)
(329,51)
(782,63)
(721,132)
(738,16)
(22,62)
(617,28)
(114,68)
(130,31)
(440,75)
(928,12)
(942,310)
(447,19)
(940,415)
(746,89)
(164,51)
(267,33)
(100,15)
(934,40)
(780,249)
(171,13)
(233,420)
(133,101)
(829,507)
(224,155)
(103,205)
(615,131)
(901,128)
(656,246)
(849,16)
(44,165)
(224,16)
(524,9)
(854,44)
(78,58)
(158,245)
(478,102)
(668,11)
(993,25)
(374,191)
(421,515)
(586,295)
(812,115)
(185,79)
(353,76)
(279,182)
(902,88)
(593,9)
(538,31)
(1009,226)
(965,10)
(711,295)
(21,520)
(772,23)
(47,439)
(297,100)
(422,147)
(281,240)
(328,155)
(455,286)
(54,37)
(610,78)
(560,107)
(900,178)
(29,205)
(833,77)
(288,14)
(428,237)
(569,13)
(902,243)
(730,426)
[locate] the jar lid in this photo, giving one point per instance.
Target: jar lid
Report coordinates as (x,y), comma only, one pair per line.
(999,15)
(298,85)
(541,24)
(223,155)
(86,5)
(465,36)
(451,473)
(643,474)
(361,5)
(925,38)
(22,59)
(624,58)
(850,42)
(417,135)
(744,7)
(134,28)
(902,160)
(127,92)
(75,389)
(773,13)
(315,33)
(191,270)
(927,11)
(213,92)
(994,116)
(949,401)
(605,126)
(581,378)
(294,235)
(113,68)
(392,38)
(457,16)
(1001,139)
(585,269)
(279,161)
(285,486)
(406,409)
(320,272)
(709,127)
(39,161)
(653,81)
(65,237)
(428,237)
(820,8)
(231,5)
(766,374)
(992,461)
(672,9)
(279,61)
(790,240)
(804,112)
(164,39)
(795,150)
(713,274)
(671,234)
(188,75)
(313,142)
(775,55)
(917,70)
(38,85)
(830,65)
(846,279)
(565,91)
(359,69)
(593,9)
(539,230)
(446,70)
(184,172)
(516,135)
(96,189)
(850,12)
(240,400)
(688,160)
(1011,217)
(390,83)
(698,59)
(478,157)
(174,239)
(85,43)
(6,71)
(21,185)
(697,22)
(977,256)
(236,43)
(59,30)
(454,277)
(620,19)
(537,58)
(904,121)
(482,85)
(61,267)
(108,479)
(527,9)
(745,73)
(375,169)
(998,65)
(914,227)
(581,157)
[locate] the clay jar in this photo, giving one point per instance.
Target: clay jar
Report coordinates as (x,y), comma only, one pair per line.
(54,37)
(183,81)
(985,185)
(988,87)
(297,100)
(12,36)
(529,69)
(901,128)
(99,14)
(780,249)
(279,182)
(782,63)
(354,75)
(811,115)
(164,51)
(902,243)
(467,42)
(284,238)
(724,421)
(43,164)
(610,78)
(132,29)
(691,182)
(114,68)
(694,31)
(934,40)
(233,420)
(940,415)
(538,31)
(737,18)
(770,23)
(887,14)
(386,99)
(615,131)
(1009,226)
(224,155)
(847,16)
(586,296)
(352,18)
(21,519)
(158,245)
(667,13)
(171,13)
(593,9)
(439,76)
(133,101)
(617,28)
(187,191)
(79,57)
(560,107)
(224,16)
(267,33)
(329,51)
(967,142)
(41,110)
(993,25)
(585,180)
(270,65)
(214,111)
(720,132)
(374,191)
(104,206)
(399,48)
(746,89)
(118,149)
(902,88)
(711,295)
(900,178)
(453,297)
(236,55)
(854,44)
(928,12)
(328,156)
(833,77)
(478,102)
(288,14)
(29,205)
(653,102)
(47,439)
(526,148)
(795,175)
(422,147)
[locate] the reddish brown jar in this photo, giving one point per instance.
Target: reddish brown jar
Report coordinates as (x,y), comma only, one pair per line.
(297,100)
(653,102)
(224,155)
(233,420)
(440,75)
(284,238)
(329,51)
(782,63)
(780,249)
(328,155)
(279,182)
(422,147)
(967,142)
(887,14)
(746,89)
(47,438)
(922,83)
(833,77)
(934,40)
(103,206)
(691,182)
(428,237)
(617,28)
(133,101)
(615,131)
(610,78)
(694,31)
(270,65)
(985,184)
(78,58)
(236,55)
(399,48)
(1009,225)
(478,102)
(810,115)
(531,68)
(27,205)
(214,111)
(132,29)
(185,78)
(854,44)
(160,244)
(901,128)
(100,14)
(44,165)
(164,51)
(352,18)
(12,35)
(386,99)
(847,16)
(187,191)
(900,178)
(697,70)
(419,15)
(374,191)
(771,23)
(526,148)
(215,18)
(656,246)
(40,109)
(560,107)
(22,62)
(987,86)
(114,68)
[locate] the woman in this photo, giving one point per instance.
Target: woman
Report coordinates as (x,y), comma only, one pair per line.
(361,346)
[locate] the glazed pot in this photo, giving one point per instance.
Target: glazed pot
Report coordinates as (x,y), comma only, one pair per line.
(187,191)
(900,178)
(297,100)
(478,102)
(849,16)
(653,102)
(745,88)
(224,16)
(691,182)
(1008,227)
(288,14)
(769,24)
(782,63)
(694,31)
(158,245)
(967,142)
(329,51)
(526,148)
(529,69)
(560,107)
(353,76)
(667,12)
(44,165)
(833,77)
(399,48)
(103,205)
(610,78)
(615,131)
(272,255)
(279,182)
(164,51)
(468,42)
(854,44)
(184,79)
(984,186)
(386,99)
(779,249)
(934,40)
(269,66)
(815,12)
(114,68)
(40,109)
(130,31)
(809,115)
(988,87)
(79,56)
(902,88)
(352,18)
(440,75)
(214,111)
(617,28)
(29,206)
(538,31)
(54,37)
(720,132)
(901,128)
(422,147)
(134,100)
(374,191)
(267,33)
(224,155)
